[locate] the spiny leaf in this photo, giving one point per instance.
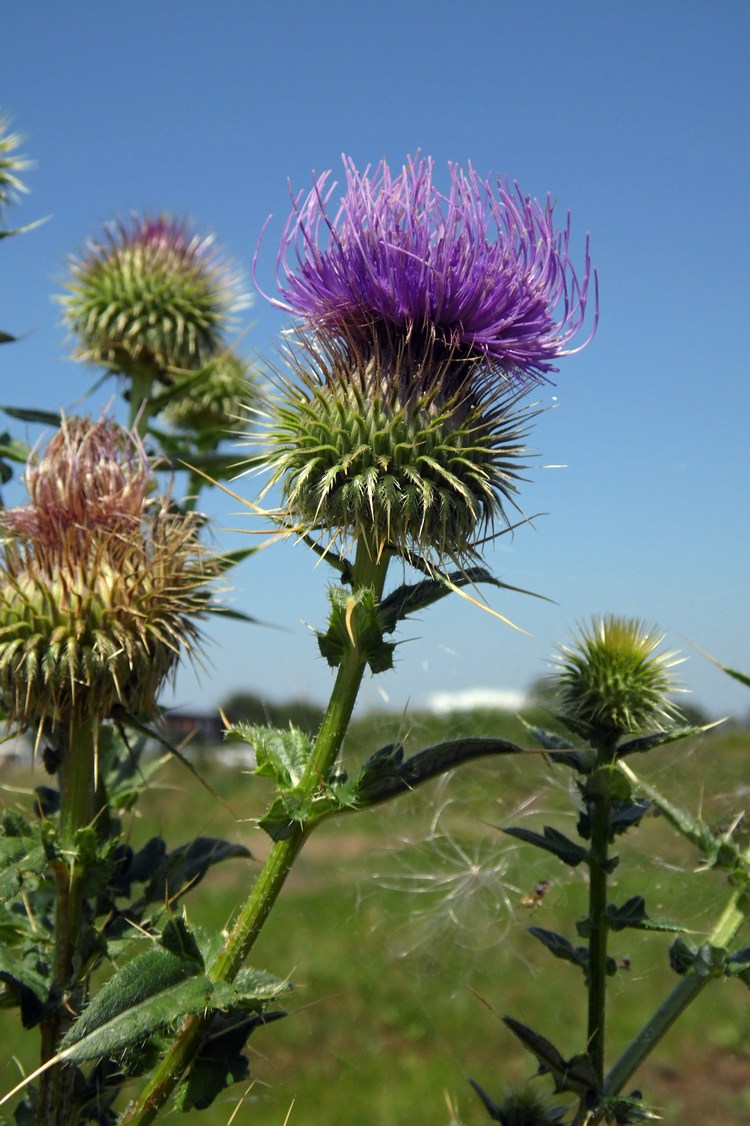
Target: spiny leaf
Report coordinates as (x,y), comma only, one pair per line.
(575,1074)
(662,738)
(552,841)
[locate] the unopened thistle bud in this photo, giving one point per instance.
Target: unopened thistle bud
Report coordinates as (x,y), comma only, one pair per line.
(217,400)
(612,682)
(151,295)
(100,588)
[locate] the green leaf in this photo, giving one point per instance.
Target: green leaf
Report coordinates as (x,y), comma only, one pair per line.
(662,738)
(178,939)
(185,866)
(561,947)
(220,1062)
(632,913)
(28,414)
(557,843)
(704,960)
(14,449)
(576,1074)
(25,986)
(280,754)
(550,740)
(743,679)
(386,774)
(153,990)
(283,814)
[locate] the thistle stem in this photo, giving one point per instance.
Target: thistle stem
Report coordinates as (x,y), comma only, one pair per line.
(684,993)
(76,812)
(598,923)
(369,571)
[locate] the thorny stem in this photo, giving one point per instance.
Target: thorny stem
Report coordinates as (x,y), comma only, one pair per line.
(600,804)
(76,812)
(735,914)
(369,571)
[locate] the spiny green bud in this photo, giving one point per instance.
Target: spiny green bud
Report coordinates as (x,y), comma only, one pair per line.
(100,587)
(214,402)
(612,682)
(151,297)
(414,462)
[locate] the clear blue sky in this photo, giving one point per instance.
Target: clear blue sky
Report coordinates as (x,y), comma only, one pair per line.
(635,116)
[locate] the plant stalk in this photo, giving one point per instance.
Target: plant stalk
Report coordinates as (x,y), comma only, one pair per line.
(369,571)
(598,922)
(684,993)
(77,795)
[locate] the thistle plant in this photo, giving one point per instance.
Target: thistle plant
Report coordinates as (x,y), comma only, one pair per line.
(422,320)
(103,587)
(614,687)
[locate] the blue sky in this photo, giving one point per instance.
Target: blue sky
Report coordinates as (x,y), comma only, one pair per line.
(635,116)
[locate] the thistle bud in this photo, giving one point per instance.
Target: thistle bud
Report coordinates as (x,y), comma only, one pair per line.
(152,296)
(214,402)
(612,682)
(100,587)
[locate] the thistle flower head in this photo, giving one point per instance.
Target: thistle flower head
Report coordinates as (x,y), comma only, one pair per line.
(100,588)
(612,682)
(481,272)
(363,452)
(152,294)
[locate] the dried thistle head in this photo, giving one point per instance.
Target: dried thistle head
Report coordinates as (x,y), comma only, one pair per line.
(612,681)
(100,587)
(150,295)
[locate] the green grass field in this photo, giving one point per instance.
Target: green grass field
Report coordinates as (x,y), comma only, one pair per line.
(404,932)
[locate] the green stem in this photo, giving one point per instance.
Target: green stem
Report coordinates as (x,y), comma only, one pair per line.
(683,994)
(598,923)
(141,385)
(368,571)
(77,794)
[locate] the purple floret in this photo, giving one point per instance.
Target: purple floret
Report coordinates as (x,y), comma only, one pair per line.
(481,272)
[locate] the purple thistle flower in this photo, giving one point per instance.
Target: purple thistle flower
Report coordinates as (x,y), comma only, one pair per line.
(483,274)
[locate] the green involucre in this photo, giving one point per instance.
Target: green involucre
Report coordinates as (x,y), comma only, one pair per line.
(359,452)
(612,682)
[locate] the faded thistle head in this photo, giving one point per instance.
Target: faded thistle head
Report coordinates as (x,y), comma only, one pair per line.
(151,295)
(100,586)
(423,320)
(611,681)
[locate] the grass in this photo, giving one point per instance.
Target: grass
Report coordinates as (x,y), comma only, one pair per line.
(404,930)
